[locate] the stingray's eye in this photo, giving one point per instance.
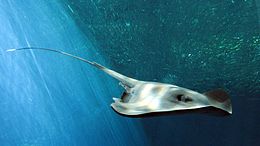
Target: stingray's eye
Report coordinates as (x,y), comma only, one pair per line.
(183,98)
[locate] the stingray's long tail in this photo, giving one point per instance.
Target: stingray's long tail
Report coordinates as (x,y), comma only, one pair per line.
(52,50)
(120,77)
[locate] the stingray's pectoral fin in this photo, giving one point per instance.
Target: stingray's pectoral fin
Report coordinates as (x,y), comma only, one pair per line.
(127,109)
(220,99)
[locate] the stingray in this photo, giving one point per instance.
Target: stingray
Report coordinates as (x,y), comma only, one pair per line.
(144,98)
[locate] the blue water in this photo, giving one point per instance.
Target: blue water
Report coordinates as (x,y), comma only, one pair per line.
(49,99)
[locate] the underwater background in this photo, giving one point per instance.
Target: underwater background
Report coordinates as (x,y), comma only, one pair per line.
(49,99)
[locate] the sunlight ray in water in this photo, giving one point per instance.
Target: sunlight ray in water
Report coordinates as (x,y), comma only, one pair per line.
(50,103)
